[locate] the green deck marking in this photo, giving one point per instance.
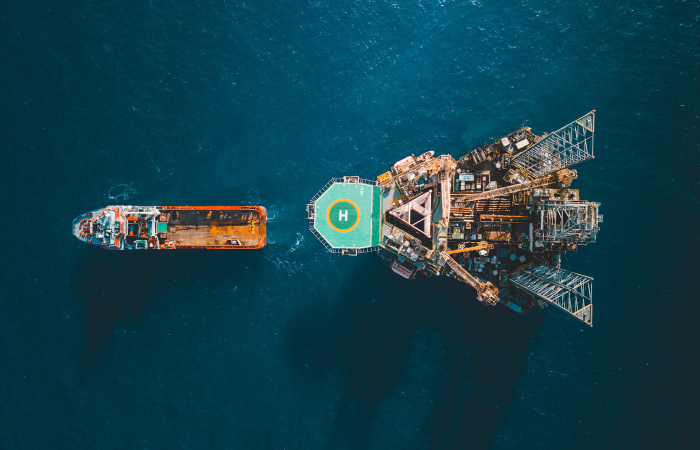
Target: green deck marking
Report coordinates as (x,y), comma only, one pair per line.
(338,211)
(376,212)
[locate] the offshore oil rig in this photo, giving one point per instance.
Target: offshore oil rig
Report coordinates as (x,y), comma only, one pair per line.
(497,219)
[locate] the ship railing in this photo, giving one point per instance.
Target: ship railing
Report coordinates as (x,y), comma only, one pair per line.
(343,180)
(358,180)
(357,251)
(325,188)
(322,239)
(344,251)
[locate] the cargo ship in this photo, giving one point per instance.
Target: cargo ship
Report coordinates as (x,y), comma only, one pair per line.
(497,219)
(173,227)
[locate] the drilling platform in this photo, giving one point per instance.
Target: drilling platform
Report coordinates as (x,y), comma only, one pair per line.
(497,219)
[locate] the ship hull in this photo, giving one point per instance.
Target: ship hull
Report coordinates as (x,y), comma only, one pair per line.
(173,227)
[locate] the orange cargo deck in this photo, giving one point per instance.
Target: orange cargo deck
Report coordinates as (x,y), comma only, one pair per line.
(214,227)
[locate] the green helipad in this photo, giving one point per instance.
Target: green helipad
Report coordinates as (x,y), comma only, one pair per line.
(348,215)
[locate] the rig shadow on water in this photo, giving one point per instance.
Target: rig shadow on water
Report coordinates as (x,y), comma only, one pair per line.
(118,288)
(369,331)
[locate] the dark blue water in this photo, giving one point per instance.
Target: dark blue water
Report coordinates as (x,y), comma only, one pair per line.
(250,102)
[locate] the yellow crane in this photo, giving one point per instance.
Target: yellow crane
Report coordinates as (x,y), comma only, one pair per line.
(483,245)
(486,292)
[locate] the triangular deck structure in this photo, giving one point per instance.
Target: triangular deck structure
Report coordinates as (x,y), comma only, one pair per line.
(416,213)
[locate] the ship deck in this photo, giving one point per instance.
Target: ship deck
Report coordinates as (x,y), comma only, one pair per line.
(207,228)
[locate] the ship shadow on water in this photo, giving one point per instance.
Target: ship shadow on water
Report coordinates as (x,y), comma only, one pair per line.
(117,288)
(369,332)
(114,287)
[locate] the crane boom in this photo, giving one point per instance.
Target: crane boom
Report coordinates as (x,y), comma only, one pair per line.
(482,245)
(563,177)
(485,292)
(445,189)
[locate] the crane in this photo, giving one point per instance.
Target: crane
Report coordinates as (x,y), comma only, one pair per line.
(486,292)
(483,245)
(563,177)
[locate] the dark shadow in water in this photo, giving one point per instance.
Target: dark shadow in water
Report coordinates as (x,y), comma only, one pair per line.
(114,287)
(483,365)
(368,329)
(118,287)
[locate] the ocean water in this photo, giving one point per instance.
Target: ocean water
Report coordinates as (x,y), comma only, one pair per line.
(249,102)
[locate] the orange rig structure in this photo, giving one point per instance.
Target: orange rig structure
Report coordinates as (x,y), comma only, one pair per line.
(497,219)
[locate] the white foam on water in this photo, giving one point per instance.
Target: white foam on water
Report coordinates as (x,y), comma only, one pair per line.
(121,191)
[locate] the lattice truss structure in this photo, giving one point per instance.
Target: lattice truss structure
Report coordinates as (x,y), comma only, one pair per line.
(566,290)
(568,221)
(565,147)
(416,213)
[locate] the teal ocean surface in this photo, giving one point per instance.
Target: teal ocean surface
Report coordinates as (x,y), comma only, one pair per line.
(290,347)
